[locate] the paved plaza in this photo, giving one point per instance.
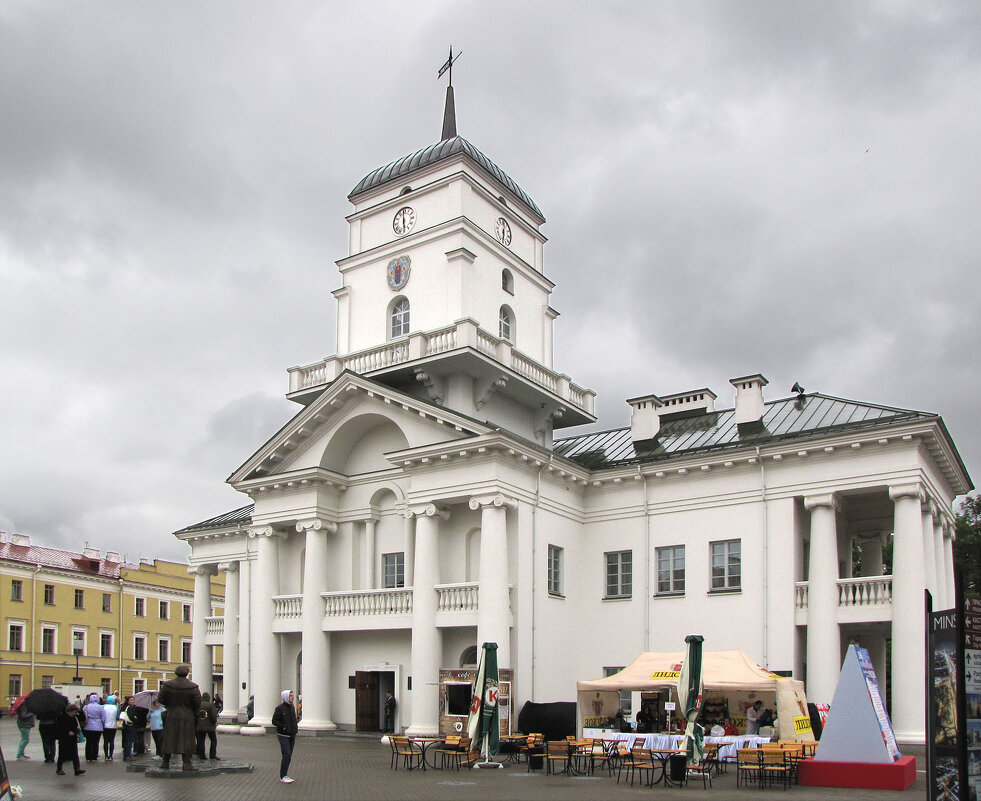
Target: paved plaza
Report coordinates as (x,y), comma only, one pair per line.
(356,768)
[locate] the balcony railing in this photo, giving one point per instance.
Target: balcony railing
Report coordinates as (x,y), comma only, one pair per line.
(288,607)
(863,591)
(422,344)
(214,626)
(368,602)
(457,597)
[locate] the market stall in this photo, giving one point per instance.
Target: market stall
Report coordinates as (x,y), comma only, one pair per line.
(732,682)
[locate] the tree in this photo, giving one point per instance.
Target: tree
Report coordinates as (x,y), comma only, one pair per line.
(967,546)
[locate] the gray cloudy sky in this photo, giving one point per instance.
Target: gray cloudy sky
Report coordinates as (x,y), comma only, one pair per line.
(731,187)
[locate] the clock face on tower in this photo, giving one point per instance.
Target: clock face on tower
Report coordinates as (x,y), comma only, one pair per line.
(405,218)
(503,231)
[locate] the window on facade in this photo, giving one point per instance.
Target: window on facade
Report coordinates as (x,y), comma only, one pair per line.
(140,607)
(164,610)
(14,684)
(78,642)
(619,574)
(671,570)
(506,324)
(139,685)
(139,648)
(185,651)
(16,590)
(47,640)
(400,318)
(393,570)
(554,570)
(79,599)
(106,602)
(163,650)
(49,594)
(726,565)
(105,645)
(47,681)
(507,281)
(186,613)
(106,685)
(15,637)
(625,700)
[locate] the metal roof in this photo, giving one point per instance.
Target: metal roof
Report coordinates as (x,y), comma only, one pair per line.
(238,517)
(405,166)
(791,418)
(63,560)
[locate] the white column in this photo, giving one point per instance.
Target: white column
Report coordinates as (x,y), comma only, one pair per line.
(493,602)
(245,629)
(265,655)
(229,642)
(929,553)
(368,579)
(823,638)
(908,583)
(944,598)
(201,660)
(427,640)
(409,538)
(872,555)
(315,669)
(949,530)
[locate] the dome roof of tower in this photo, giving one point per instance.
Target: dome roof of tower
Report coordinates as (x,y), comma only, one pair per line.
(405,166)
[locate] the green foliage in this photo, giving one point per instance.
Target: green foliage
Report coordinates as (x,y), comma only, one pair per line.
(967,546)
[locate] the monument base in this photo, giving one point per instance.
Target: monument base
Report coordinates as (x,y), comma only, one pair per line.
(898,775)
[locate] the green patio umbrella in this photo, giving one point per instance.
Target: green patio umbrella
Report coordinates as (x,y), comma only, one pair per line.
(483,724)
(690,698)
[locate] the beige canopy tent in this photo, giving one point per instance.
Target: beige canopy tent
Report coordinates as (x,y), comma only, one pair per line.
(729,672)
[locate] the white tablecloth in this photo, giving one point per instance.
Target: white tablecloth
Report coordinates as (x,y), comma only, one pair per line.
(666,742)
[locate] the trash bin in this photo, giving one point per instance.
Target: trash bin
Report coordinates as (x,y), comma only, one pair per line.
(676,768)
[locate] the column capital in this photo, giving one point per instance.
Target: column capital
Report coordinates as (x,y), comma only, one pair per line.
(264,531)
(496,499)
(227,567)
(202,570)
(316,524)
(427,510)
(949,529)
(911,490)
(829,499)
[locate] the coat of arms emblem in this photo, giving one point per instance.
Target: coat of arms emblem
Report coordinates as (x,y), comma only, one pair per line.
(398,272)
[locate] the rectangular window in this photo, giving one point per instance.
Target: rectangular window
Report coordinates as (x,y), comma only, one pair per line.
(163,650)
(78,642)
(106,685)
(626,704)
(139,685)
(47,640)
(554,570)
(140,607)
(619,574)
(726,565)
(79,599)
(13,686)
(16,590)
(106,602)
(49,594)
(393,570)
(186,613)
(47,681)
(15,637)
(164,610)
(186,651)
(139,648)
(105,645)
(671,570)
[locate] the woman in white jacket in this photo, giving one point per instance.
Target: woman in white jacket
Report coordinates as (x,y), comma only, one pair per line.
(93,728)
(110,713)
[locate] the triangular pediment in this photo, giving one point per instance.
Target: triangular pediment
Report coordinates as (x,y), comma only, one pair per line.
(346,410)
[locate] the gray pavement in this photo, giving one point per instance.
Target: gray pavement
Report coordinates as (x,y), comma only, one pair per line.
(357,768)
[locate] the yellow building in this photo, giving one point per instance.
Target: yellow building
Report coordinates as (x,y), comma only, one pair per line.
(126,626)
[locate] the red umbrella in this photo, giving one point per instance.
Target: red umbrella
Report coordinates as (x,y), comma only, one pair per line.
(16,704)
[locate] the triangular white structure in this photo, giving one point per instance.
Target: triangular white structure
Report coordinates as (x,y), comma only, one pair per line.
(858,727)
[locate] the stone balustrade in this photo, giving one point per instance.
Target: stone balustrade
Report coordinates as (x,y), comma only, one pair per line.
(368,602)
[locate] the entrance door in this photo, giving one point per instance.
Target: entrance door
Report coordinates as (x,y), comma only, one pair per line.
(366,701)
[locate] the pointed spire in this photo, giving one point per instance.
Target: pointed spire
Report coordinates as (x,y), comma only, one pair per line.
(449,110)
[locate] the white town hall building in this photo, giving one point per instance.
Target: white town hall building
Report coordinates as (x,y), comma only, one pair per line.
(420,503)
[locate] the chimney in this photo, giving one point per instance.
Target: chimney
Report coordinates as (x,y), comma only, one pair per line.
(112,556)
(91,553)
(20,539)
(749,399)
(684,404)
(644,420)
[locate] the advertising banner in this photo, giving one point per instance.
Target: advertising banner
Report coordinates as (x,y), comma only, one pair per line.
(944,684)
(972,689)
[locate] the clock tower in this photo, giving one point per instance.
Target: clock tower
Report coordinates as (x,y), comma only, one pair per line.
(444,295)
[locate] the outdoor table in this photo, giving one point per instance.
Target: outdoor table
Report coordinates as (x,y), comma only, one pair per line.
(514,740)
(424,743)
(664,755)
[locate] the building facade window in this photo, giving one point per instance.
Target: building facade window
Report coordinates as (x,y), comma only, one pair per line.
(16,590)
(393,570)
(139,647)
(164,610)
(554,570)
(505,325)
(507,281)
(47,681)
(79,599)
(671,570)
(106,602)
(626,702)
(163,650)
(139,685)
(15,637)
(185,651)
(49,594)
(619,574)
(399,318)
(726,565)
(105,645)
(14,684)
(186,613)
(140,609)
(78,641)
(106,683)
(47,640)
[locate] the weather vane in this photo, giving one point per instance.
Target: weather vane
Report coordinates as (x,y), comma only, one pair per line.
(448,66)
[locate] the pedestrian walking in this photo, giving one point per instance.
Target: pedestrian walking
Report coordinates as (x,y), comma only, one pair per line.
(68,731)
(110,722)
(207,722)
(25,722)
(47,728)
(93,728)
(284,719)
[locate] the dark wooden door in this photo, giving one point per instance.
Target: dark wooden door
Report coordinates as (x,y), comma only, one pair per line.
(366,701)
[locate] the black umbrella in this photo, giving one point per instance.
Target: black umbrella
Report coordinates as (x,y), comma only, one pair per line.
(45,703)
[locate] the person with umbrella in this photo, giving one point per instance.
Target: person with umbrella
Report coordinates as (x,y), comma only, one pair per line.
(67,726)
(25,722)
(129,731)
(47,705)
(155,720)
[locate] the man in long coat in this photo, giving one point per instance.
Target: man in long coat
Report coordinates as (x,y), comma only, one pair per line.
(182,700)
